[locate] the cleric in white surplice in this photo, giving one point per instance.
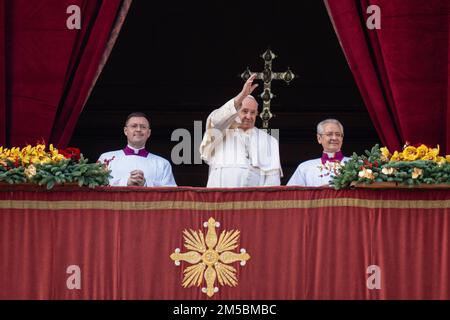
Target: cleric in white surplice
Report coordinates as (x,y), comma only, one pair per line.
(238,154)
(319,172)
(134,165)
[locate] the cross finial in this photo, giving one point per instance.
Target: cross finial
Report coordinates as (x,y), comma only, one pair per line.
(267,75)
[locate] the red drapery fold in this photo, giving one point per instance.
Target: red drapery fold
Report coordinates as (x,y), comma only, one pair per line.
(91,61)
(50,70)
(402,69)
(303,243)
(2,75)
(448,92)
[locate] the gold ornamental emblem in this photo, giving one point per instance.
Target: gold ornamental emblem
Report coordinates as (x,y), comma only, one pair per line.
(210,257)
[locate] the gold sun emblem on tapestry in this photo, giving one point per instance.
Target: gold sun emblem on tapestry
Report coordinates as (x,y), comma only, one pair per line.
(210,257)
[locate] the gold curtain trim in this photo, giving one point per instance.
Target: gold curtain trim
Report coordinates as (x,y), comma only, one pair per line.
(230,205)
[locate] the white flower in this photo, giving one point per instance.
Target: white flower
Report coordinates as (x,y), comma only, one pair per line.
(388,171)
(366,173)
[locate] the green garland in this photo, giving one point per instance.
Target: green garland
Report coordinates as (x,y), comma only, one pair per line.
(60,172)
(409,173)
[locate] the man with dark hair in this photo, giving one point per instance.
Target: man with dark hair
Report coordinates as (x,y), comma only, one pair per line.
(318,172)
(133,165)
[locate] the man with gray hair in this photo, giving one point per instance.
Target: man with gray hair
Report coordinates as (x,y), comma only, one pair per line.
(318,172)
(238,154)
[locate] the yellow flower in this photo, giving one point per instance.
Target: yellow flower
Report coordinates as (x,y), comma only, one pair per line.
(410,153)
(45,160)
(432,154)
(26,160)
(447,157)
(35,159)
(440,160)
(422,150)
(26,149)
(385,154)
(57,157)
(434,151)
(14,152)
(429,156)
(416,173)
(31,154)
(397,156)
(40,147)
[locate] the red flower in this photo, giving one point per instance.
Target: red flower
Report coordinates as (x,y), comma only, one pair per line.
(71,153)
(16,162)
(367,164)
(107,161)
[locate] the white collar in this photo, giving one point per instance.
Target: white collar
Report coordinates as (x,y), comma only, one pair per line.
(331,154)
(136,151)
(247,132)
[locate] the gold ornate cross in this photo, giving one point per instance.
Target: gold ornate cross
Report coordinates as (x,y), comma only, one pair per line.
(267,75)
(210,256)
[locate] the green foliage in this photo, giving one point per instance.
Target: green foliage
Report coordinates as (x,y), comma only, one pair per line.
(14,175)
(55,173)
(408,173)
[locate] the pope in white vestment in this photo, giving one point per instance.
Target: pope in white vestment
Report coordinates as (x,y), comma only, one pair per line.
(238,154)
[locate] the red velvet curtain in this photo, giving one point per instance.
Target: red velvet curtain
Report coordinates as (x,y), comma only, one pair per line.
(2,75)
(50,69)
(303,243)
(402,69)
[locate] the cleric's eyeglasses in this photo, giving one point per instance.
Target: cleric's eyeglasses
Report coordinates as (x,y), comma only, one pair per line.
(135,126)
(331,134)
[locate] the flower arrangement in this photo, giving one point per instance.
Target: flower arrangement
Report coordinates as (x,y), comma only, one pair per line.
(414,165)
(35,164)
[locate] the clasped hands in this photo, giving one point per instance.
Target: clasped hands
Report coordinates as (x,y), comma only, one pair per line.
(136,178)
